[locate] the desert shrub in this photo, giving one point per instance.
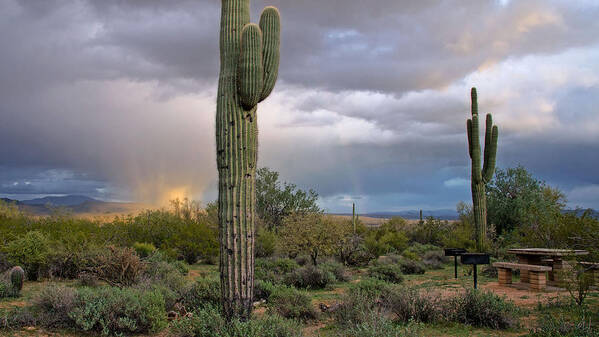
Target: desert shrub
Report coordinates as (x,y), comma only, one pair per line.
(409,304)
(490,272)
(336,269)
(309,277)
(358,308)
(7,290)
(266,242)
(291,303)
(302,260)
(385,239)
(411,267)
(372,288)
(483,309)
(4,263)
(578,281)
(204,291)
(431,231)
(53,305)
(434,259)
(386,272)
(31,252)
(144,249)
(273,270)
(208,322)
(205,322)
(115,311)
(17,318)
(380,326)
(551,325)
(421,249)
(262,289)
(117,266)
(267,326)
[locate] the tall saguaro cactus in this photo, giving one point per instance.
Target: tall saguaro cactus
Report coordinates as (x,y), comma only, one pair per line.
(480,177)
(249,57)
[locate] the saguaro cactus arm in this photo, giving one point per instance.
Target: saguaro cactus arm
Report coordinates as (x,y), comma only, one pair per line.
(492,133)
(270,23)
(251,69)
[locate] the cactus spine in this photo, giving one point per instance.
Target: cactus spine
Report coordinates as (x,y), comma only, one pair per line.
(480,178)
(249,62)
(17,276)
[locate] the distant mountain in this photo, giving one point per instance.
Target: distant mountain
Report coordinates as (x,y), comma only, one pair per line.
(580,211)
(67,200)
(444,214)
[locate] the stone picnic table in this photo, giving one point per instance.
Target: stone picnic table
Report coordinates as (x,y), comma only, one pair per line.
(544,257)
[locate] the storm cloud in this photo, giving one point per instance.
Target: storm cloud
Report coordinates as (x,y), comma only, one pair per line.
(116,99)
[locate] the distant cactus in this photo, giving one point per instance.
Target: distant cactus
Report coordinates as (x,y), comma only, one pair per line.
(249,56)
(353,217)
(480,177)
(17,277)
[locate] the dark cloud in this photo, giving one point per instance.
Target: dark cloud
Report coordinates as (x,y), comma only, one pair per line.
(371,103)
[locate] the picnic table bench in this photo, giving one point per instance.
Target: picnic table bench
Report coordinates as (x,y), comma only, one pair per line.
(544,256)
(536,273)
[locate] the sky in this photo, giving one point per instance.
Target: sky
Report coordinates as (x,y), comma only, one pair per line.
(115,99)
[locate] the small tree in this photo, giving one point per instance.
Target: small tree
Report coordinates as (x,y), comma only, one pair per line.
(311,233)
(276,200)
(578,281)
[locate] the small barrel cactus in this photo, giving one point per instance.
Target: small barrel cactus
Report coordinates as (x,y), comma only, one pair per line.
(17,276)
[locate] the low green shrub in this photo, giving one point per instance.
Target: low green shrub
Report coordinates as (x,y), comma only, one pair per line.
(115,311)
(291,303)
(274,270)
(411,267)
(144,249)
(53,305)
(262,290)
(208,322)
(309,277)
(386,272)
(371,288)
(7,290)
(203,292)
(551,325)
(336,269)
(408,304)
(483,309)
(380,326)
(434,259)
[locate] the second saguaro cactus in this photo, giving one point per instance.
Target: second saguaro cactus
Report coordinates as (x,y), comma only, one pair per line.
(480,177)
(249,56)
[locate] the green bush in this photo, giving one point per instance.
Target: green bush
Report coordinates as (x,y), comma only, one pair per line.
(144,249)
(372,288)
(434,259)
(336,269)
(203,292)
(31,252)
(386,272)
(208,322)
(379,326)
(7,290)
(309,277)
(273,270)
(291,303)
(411,267)
(482,309)
(408,304)
(262,290)
(118,266)
(115,311)
(551,325)
(53,305)
(266,242)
